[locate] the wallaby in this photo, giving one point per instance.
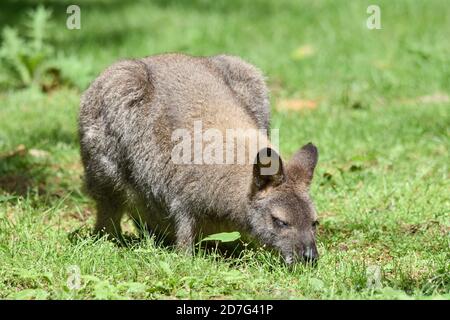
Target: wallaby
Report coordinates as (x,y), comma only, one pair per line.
(127,120)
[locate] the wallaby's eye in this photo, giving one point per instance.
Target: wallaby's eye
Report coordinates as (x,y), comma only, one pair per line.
(279,223)
(315,224)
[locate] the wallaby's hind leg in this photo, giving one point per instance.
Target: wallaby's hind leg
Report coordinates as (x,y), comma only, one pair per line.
(110,206)
(109,214)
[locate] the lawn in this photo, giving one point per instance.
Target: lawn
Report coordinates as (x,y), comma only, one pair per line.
(375,102)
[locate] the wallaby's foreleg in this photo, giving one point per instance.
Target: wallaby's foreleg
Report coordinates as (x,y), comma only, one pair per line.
(185,233)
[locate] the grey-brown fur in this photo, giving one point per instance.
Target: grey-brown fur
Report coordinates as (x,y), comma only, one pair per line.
(126,120)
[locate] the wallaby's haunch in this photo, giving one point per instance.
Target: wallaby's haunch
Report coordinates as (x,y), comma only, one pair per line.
(126,124)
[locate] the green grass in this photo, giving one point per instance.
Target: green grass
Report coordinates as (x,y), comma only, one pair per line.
(382,125)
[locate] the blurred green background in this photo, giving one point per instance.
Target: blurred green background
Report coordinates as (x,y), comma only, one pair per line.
(408,56)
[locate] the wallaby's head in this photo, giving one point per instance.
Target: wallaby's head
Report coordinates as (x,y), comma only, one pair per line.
(282,214)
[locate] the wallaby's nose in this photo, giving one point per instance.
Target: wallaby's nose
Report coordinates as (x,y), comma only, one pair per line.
(310,254)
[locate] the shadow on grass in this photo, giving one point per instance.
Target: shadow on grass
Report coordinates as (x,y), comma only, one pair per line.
(20,173)
(232,250)
(236,254)
(84,233)
(23,171)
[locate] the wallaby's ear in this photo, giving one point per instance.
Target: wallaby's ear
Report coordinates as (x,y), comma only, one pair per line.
(301,167)
(267,169)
